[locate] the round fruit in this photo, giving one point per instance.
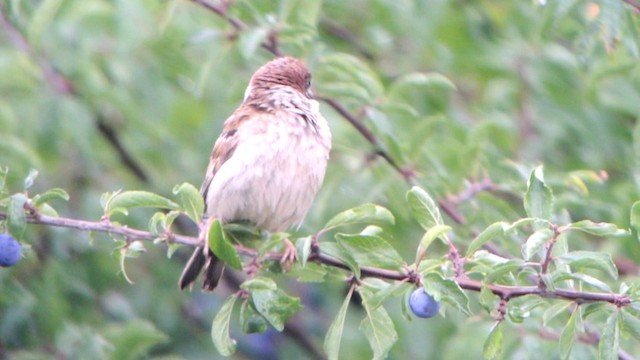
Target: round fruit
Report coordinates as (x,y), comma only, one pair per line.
(10,250)
(422,304)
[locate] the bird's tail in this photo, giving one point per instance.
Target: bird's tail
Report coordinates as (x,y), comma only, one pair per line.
(213,269)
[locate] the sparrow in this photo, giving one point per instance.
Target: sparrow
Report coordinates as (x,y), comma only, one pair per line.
(268,162)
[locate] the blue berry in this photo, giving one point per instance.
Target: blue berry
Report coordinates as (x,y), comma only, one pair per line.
(10,250)
(422,304)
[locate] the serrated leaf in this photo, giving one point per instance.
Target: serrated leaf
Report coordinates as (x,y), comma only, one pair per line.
(28,181)
(590,280)
(220,246)
(446,290)
(335,250)
(500,270)
(191,202)
(379,331)
(16,217)
(48,195)
(370,251)
(487,298)
(554,310)
(538,200)
(303,249)
(598,228)
(377,297)
(568,335)
(251,321)
(590,260)
(535,242)
(423,208)
(493,345)
(610,338)
(438,231)
(276,306)
(489,233)
(137,199)
(259,283)
(364,214)
(629,324)
(344,70)
(225,345)
(334,335)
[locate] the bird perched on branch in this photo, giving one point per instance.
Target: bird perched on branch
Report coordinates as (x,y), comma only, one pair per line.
(267,164)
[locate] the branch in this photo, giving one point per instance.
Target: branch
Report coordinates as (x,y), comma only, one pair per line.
(505,292)
(635,5)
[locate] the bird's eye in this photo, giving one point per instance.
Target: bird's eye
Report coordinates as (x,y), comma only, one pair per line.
(308,82)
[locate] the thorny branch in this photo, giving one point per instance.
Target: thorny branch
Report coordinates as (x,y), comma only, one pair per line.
(505,292)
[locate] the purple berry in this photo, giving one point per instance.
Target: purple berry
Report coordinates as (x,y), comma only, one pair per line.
(422,304)
(10,250)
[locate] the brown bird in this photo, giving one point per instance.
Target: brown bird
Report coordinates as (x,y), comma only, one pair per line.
(267,164)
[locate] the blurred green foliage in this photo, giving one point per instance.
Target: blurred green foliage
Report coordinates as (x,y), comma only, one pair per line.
(456,91)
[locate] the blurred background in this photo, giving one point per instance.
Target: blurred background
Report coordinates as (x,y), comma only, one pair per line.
(102,95)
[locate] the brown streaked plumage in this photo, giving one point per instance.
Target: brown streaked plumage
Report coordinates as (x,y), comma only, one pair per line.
(268,162)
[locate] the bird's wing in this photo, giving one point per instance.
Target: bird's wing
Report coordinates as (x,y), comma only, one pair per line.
(226,145)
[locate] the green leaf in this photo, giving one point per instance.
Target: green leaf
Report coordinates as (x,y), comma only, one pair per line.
(447,290)
(42,18)
(334,335)
(191,202)
(342,71)
(492,231)
(438,231)
(276,306)
(370,250)
(493,344)
(364,214)
(598,228)
(635,213)
(501,269)
(535,242)
(225,345)
(538,200)
(134,339)
(49,195)
(303,249)
(377,291)
(568,335)
(137,199)
(251,321)
(629,324)
(590,280)
(220,246)
(259,283)
(610,338)
(16,217)
(590,260)
(423,208)
(411,82)
(335,250)
(379,331)
(28,181)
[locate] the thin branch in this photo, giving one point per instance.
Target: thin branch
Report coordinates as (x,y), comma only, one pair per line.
(503,291)
(635,5)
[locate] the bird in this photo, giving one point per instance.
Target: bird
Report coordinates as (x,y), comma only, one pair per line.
(267,164)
